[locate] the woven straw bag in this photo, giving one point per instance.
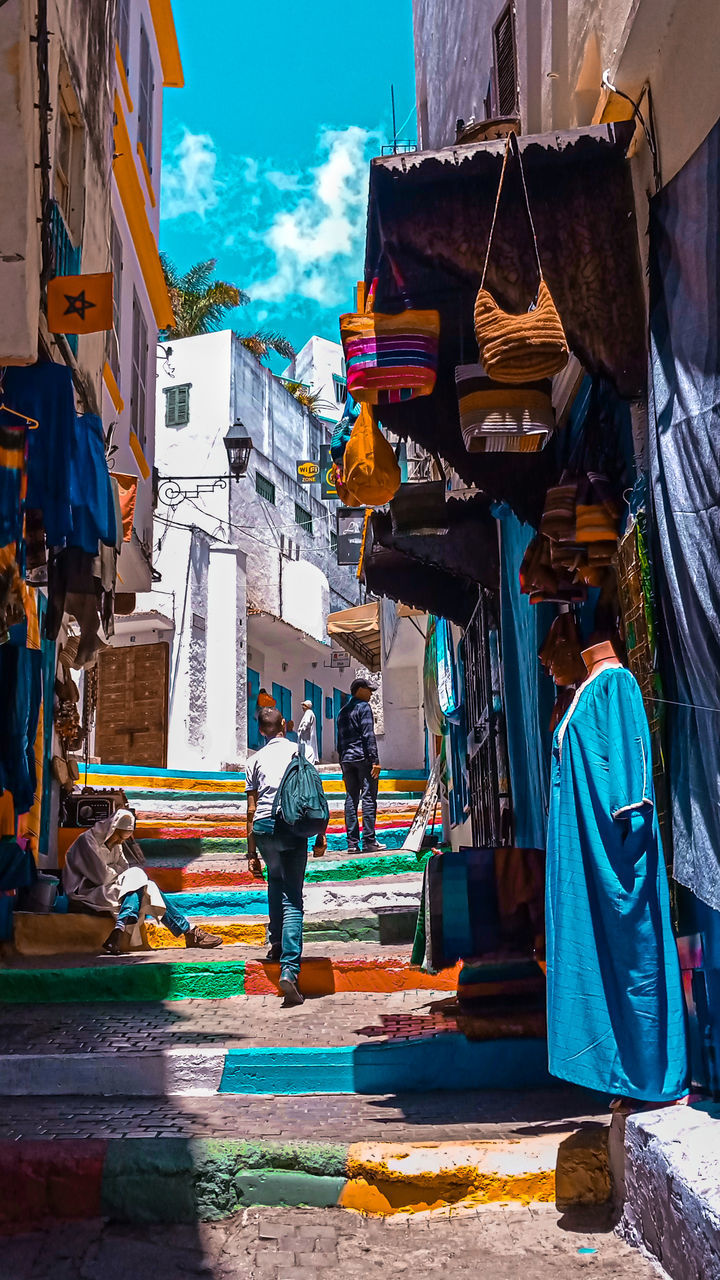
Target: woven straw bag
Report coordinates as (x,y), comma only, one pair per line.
(519,348)
(496,418)
(390,358)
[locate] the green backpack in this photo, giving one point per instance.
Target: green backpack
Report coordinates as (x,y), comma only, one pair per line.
(300,800)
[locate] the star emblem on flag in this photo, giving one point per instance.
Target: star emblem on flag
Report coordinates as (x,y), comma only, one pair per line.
(77,304)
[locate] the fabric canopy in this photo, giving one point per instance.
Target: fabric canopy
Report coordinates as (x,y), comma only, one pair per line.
(401,577)
(357,631)
(467,548)
(432,211)
(685,483)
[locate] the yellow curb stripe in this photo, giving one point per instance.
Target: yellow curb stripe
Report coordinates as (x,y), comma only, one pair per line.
(233,934)
(413,1178)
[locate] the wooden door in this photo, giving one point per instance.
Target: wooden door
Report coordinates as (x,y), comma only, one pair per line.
(131,725)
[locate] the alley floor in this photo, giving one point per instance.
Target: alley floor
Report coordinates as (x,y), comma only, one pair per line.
(502,1243)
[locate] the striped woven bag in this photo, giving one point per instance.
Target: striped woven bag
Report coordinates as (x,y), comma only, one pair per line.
(390,358)
(519,348)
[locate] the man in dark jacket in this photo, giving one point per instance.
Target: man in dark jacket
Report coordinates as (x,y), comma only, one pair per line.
(360,766)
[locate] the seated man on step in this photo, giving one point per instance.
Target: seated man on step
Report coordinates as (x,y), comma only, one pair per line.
(284,854)
(103,874)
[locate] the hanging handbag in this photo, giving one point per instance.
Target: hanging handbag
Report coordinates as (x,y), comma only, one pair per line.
(502,418)
(390,358)
(597,513)
(519,348)
(371,474)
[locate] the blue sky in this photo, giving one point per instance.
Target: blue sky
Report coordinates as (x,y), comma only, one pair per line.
(266,149)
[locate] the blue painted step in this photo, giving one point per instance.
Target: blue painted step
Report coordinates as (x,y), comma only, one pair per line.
(446,1062)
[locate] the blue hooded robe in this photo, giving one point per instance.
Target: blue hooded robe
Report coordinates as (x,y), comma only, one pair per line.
(616,1014)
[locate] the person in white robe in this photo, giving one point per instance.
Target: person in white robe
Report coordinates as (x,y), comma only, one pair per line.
(307,733)
(103,873)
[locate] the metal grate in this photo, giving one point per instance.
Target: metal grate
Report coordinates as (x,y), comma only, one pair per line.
(505,63)
(490,809)
(265,488)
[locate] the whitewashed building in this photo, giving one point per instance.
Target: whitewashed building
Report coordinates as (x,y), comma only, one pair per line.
(249,567)
(320,366)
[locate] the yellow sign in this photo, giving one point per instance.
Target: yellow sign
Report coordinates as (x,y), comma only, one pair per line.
(308,472)
(80,304)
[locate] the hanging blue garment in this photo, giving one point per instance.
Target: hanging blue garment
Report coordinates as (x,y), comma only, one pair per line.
(528,692)
(616,1015)
(91,495)
(446,674)
(20,698)
(45,392)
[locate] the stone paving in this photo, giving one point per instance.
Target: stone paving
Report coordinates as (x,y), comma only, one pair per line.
(416,1117)
(344,1018)
(504,1243)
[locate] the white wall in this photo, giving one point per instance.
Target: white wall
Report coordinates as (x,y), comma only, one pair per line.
(314,365)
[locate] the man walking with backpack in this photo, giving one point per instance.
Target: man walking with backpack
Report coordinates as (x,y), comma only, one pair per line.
(285,806)
(360,764)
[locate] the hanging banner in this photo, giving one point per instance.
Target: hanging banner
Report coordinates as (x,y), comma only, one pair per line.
(328,492)
(350,524)
(308,472)
(80,304)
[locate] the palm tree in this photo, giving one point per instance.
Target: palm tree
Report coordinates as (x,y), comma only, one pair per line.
(200,304)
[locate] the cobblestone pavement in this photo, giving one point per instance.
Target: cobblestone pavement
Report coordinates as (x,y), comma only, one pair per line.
(240,1021)
(503,1243)
(414,1117)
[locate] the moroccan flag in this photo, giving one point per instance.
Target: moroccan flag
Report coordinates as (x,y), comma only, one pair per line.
(80,304)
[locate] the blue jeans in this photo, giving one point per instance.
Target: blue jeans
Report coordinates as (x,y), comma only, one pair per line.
(129,914)
(285,857)
(359,782)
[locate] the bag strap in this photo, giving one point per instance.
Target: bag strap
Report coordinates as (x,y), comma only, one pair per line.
(511,145)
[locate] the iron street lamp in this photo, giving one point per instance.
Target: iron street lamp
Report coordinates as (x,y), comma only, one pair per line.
(239,447)
(171,490)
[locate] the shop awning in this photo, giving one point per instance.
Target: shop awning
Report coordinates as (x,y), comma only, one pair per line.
(467,549)
(357,631)
(402,578)
(434,211)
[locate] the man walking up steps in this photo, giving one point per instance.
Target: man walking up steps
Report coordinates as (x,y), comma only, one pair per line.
(360,764)
(284,854)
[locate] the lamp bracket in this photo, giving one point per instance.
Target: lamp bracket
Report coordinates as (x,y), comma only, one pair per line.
(172,490)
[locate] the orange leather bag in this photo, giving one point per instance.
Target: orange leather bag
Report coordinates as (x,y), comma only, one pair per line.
(371,475)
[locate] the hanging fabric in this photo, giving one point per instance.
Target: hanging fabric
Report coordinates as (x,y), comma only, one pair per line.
(519,348)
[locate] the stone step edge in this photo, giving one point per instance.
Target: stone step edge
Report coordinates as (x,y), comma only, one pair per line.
(175,1180)
(127,979)
(85,935)
(444,1062)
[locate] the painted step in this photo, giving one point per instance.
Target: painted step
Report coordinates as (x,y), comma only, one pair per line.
(319,870)
(75,934)
(171,1180)
(444,1063)
(106,775)
(214,977)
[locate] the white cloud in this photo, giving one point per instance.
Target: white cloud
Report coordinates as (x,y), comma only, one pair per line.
(190,184)
(317,240)
(283,181)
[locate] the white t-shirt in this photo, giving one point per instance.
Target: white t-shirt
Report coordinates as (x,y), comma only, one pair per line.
(264,773)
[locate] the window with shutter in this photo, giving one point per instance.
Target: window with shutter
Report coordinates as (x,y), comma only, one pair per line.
(265,488)
(505,63)
(177,405)
(116,264)
(123,32)
(145,99)
(138,397)
(303,518)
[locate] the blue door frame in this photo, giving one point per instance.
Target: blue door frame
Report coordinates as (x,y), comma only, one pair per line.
(314,694)
(339,700)
(253,733)
(283,699)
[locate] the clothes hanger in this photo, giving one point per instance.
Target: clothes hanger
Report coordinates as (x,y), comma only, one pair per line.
(32,423)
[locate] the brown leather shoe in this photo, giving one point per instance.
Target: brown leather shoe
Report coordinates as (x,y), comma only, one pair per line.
(201,938)
(116,944)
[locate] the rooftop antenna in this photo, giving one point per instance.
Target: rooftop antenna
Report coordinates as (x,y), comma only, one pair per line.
(392,99)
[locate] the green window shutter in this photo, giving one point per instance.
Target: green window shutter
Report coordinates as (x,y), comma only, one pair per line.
(177,405)
(265,488)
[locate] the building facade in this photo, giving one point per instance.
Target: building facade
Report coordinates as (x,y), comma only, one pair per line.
(249,567)
(320,366)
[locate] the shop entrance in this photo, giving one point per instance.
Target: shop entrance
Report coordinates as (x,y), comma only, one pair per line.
(132,708)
